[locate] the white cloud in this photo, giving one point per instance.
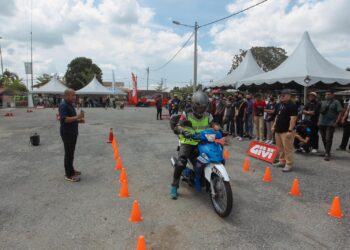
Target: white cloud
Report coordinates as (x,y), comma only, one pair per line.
(122,35)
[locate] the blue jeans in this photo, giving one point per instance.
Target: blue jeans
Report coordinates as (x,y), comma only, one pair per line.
(249,125)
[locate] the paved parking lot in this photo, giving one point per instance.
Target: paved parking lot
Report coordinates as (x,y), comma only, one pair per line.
(39,210)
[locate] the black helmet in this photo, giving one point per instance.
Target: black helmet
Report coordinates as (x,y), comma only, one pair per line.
(200,102)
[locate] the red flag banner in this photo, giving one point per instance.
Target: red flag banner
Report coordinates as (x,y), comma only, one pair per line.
(262,151)
(134,98)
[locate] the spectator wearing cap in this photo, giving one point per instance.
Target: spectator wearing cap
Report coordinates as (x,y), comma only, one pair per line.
(330,115)
(284,128)
(312,114)
(302,137)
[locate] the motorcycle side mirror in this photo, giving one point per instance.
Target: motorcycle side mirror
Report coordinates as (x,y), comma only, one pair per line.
(187,123)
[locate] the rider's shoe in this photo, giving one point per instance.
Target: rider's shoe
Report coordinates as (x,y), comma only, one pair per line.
(173,192)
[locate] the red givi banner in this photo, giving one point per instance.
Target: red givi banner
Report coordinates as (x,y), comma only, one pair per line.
(262,151)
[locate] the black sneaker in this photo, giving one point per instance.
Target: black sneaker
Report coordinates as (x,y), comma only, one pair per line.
(327,157)
(73,178)
(340,149)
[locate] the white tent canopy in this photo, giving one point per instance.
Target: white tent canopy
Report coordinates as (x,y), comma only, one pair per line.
(305,66)
(94,88)
(54,86)
(247,68)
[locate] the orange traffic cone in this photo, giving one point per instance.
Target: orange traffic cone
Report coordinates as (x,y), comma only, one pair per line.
(123,176)
(267,175)
(294,191)
(110,138)
(118,165)
(141,244)
(246,165)
(335,210)
(114,143)
(116,153)
(124,192)
(135,213)
(226,154)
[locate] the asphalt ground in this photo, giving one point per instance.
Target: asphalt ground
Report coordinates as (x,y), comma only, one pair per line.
(40,210)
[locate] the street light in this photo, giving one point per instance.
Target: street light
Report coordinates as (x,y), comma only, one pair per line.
(196,27)
(2,66)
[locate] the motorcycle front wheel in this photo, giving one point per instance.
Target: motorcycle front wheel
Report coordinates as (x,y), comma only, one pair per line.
(222,199)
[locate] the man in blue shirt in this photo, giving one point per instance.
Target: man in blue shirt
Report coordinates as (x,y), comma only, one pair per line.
(69,133)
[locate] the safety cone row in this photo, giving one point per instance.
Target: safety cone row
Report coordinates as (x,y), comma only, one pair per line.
(135,215)
(335,209)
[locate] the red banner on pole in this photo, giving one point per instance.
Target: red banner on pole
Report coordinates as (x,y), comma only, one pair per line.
(134,98)
(262,151)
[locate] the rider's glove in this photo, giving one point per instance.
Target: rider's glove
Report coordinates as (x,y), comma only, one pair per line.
(187,134)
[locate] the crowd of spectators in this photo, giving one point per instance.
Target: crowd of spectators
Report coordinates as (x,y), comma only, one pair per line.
(270,119)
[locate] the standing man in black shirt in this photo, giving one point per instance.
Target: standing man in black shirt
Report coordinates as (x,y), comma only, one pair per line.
(312,114)
(69,133)
(284,128)
(159,107)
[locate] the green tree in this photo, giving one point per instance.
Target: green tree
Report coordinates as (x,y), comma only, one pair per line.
(42,80)
(11,81)
(182,91)
(80,72)
(268,58)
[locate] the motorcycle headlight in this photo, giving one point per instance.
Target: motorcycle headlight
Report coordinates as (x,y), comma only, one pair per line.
(210,137)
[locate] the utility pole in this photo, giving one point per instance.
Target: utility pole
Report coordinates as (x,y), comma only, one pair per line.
(195,27)
(2,66)
(147,76)
(31,58)
(195,57)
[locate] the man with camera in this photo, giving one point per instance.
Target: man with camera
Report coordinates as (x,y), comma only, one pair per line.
(330,115)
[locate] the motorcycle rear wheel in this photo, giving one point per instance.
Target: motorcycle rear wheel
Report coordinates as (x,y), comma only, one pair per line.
(222,200)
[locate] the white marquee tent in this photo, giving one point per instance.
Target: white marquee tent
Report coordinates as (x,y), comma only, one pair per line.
(247,68)
(54,86)
(94,88)
(305,66)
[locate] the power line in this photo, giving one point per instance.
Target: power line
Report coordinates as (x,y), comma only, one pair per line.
(234,14)
(173,57)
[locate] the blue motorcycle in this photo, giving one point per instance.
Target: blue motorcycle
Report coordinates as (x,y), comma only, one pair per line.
(214,176)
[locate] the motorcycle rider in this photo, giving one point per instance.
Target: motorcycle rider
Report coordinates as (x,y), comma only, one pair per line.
(200,120)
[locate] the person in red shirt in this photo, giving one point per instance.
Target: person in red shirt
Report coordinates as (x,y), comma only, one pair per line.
(258,111)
